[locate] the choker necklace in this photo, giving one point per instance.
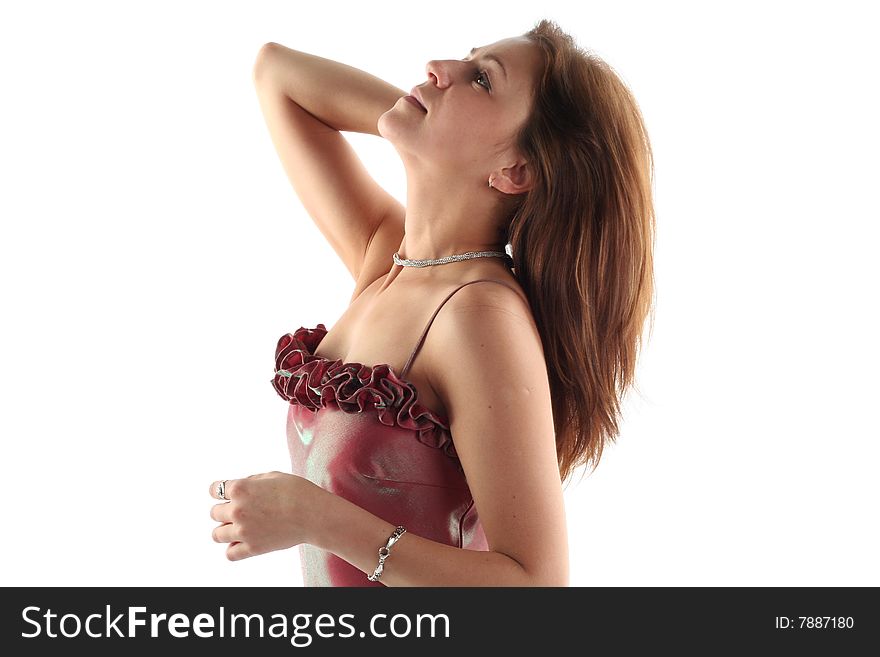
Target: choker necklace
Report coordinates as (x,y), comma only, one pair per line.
(450,258)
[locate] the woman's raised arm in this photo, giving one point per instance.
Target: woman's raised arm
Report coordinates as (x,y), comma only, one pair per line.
(306,101)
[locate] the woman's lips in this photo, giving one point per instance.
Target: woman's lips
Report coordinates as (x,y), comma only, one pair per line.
(415,102)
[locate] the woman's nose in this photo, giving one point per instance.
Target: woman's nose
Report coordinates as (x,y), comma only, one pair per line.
(438,73)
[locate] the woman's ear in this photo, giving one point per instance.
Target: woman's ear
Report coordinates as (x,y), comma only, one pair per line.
(517,179)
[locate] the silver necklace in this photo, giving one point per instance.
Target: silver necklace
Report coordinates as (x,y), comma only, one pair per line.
(446,259)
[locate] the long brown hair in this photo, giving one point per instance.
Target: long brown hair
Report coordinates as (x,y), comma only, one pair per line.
(583,238)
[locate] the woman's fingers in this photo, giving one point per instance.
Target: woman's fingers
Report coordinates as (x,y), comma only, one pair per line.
(214,490)
(261,513)
(225,533)
(221,512)
(228,531)
(238,551)
(221,490)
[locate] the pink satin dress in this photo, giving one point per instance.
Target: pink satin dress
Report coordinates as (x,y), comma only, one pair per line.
(359,431)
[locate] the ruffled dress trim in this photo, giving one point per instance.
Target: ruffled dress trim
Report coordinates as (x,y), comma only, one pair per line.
(316,382)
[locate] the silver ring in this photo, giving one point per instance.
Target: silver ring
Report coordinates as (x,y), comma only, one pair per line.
(221,490)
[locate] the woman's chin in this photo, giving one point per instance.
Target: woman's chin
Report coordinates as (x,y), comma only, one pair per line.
(395,131)
(397,120)
(388,125)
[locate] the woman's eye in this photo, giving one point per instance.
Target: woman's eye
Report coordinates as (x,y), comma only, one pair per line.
(482,74)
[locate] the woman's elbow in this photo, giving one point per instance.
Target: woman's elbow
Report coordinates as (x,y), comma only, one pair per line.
(550,576)
(554,581)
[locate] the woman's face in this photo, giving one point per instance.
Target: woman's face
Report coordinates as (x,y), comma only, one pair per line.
(475,106)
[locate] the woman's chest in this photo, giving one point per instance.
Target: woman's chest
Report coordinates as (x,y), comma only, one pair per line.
(387,330)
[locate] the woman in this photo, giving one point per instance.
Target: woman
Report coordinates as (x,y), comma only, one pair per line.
(440,440)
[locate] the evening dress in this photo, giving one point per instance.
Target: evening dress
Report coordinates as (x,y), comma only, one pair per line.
(360,431)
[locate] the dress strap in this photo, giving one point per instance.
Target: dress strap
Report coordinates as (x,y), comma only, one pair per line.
(431,321)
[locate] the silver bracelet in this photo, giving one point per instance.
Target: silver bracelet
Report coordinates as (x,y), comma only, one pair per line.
(384,552)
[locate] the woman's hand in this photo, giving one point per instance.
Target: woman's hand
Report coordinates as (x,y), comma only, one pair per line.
(266,512)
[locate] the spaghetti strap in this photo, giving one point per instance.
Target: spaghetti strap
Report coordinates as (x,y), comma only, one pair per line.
(418,346)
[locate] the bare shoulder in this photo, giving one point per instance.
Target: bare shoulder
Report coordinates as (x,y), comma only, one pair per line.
(486,327)
(488,306)
(501,295)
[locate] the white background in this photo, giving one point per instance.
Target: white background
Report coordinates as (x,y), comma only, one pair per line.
(152,252)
